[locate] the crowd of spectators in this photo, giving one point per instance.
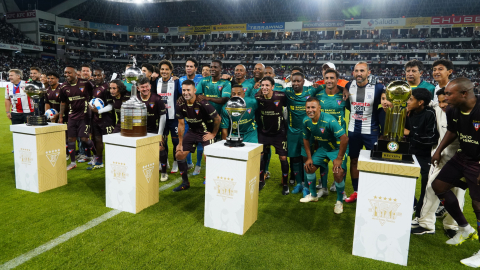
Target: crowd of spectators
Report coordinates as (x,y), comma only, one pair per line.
(11,35)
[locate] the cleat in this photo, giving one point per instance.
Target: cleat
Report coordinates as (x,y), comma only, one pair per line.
(309,198)
(421,230)
(84,159)
(174,167)
(164,177)
(352,198)
(190,166)
(71,166)
(319,186)
(333,188)
(93,161)
(97,165)
(415,223)
(285,190)
(473,261)
(462,235)
(322,192)
(450,233)
(297,189)
(305,192)
(291,182)
(338,209)
(183,186)
(267,175)
(441,212)
(261,184)
(197,170)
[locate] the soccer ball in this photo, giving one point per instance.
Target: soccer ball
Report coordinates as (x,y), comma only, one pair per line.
(50,113)
(97,103)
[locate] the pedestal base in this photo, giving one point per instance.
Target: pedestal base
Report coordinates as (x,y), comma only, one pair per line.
(37,120)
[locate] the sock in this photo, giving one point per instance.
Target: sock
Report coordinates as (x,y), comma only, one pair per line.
(199,157)
(355,184)
(292,171)
(262,168)
(183,168)
(175,143)
(324,176)
(312,183)
(71,151)
(99,147)
(340,189)
(284,165)
(163,160)
(267,162)
(297,172)
(453,208)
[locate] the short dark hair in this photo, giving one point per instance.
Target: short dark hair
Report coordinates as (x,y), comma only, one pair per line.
(237,86)
(71,66)
(422,94)
(148,66)
(270,79)
(37,69)
(331,70)
(299,69)
(191,59)
(414,63)
(165,62)
(121,87)
(156,70)
(219,62)
(86,65)
(143,80)
(444,62)
(99,69)
(298,74)
(310,99)
(206,66)
(54,74)
(188,82)
(441,91)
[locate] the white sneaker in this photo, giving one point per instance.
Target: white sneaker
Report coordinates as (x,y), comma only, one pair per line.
(322,192)
(190,166)
(309,198)
(164,177)
(338,208)
(473,261)
(463,234)
(415,223)
(81,159)
(333,188)
(71,166)
(93,161)
(174,167)
(319,186)
(267,175)
(197,170)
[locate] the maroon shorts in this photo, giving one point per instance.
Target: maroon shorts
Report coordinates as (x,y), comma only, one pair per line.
(191,139)
(102,128)
(77,128)
(460,166)
(279,141)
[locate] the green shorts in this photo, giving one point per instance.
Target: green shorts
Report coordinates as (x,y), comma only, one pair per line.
(251,137)
(321,158)
(294,144)
(303,152)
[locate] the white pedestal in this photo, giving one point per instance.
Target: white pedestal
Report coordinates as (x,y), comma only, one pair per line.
(39,154)
(131,171)
(384,209)
(231,190)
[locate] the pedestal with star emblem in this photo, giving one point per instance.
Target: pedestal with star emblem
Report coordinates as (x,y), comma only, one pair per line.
(384,209)
(39,156)
(231,186)
(131,171)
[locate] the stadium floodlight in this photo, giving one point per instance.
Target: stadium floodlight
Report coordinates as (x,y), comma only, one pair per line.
(147,1)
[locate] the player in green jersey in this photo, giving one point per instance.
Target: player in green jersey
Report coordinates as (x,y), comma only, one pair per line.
(332,145)
(248,127)
(240,78)
(332,103)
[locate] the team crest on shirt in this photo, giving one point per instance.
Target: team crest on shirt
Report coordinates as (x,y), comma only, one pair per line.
(98,92)
(81,89)
(369,95)
(56,94)
(276,103)
(249,110)
(339,101)
(244,89)
(152,104)
(322,130)
(220,88)
(307,97)
(197,110)
(476,126)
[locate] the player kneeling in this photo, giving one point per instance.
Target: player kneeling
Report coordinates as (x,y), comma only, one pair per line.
(325,130)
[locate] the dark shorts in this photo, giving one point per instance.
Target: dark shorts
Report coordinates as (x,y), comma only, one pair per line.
(457,167)
(77,128)
(191,139)
(20,118)
(356,141)
(104,128)
(117,128)
(279,141)
(171,127)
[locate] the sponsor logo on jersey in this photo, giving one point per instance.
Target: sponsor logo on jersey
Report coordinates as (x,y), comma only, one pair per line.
(276,103)
(197,110)
(339,101)
(152,104)
(476,126)
(322,130)
(365,104)
(249,110)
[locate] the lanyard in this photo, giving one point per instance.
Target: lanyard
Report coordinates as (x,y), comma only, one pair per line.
(16,88)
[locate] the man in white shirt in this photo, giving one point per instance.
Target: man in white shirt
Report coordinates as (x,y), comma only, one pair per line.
(17,104)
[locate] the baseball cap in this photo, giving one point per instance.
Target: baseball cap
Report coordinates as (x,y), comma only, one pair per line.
(329,65)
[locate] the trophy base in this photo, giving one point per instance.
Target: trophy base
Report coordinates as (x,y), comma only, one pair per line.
(37,120)
(234,142)
(400,153)
(136,131)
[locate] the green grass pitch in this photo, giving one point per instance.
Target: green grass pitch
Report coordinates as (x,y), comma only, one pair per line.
(170,234)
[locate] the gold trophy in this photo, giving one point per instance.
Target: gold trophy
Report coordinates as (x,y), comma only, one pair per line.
(392,146)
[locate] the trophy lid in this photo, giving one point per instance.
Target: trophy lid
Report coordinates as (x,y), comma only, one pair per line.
(398,91)
(133,74)
(33,90)
(236,106)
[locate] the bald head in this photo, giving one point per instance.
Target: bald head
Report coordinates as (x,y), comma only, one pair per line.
(269,72)
(259,71)
(240,73)
(461,84)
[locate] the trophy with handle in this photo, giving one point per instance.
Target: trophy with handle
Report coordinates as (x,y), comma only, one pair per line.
(35,93)
(392,146)
(236,108)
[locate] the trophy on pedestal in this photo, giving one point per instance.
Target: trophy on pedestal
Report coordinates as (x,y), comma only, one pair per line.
(392,146)
(35,93)
(236,108)
(133,111)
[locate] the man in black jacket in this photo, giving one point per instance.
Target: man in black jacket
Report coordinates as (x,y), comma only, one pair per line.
(421,128)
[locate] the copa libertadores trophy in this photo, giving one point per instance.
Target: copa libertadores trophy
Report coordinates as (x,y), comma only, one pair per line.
(236,108)
(392,145)
(133,111)
(35,93)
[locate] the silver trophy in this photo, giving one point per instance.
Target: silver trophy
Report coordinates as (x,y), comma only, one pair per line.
(35,93)
(236,108)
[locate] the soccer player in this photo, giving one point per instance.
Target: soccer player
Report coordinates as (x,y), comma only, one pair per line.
(156,118)
(206,71)
(331,101)
(330,65)
(279,84)
(52,97)
(271,128)
(35,76)
(75,92)
(414,71)
(14,93)
(86,72)
(169,90)
(297,70)
(119,93)
(191,66)
(43,79)
(102,120)
(148,70)
(442,71)
(203,121)
(240,79)
(332,145)
(248,126)
(463,122)
(363,127)
(426,221)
